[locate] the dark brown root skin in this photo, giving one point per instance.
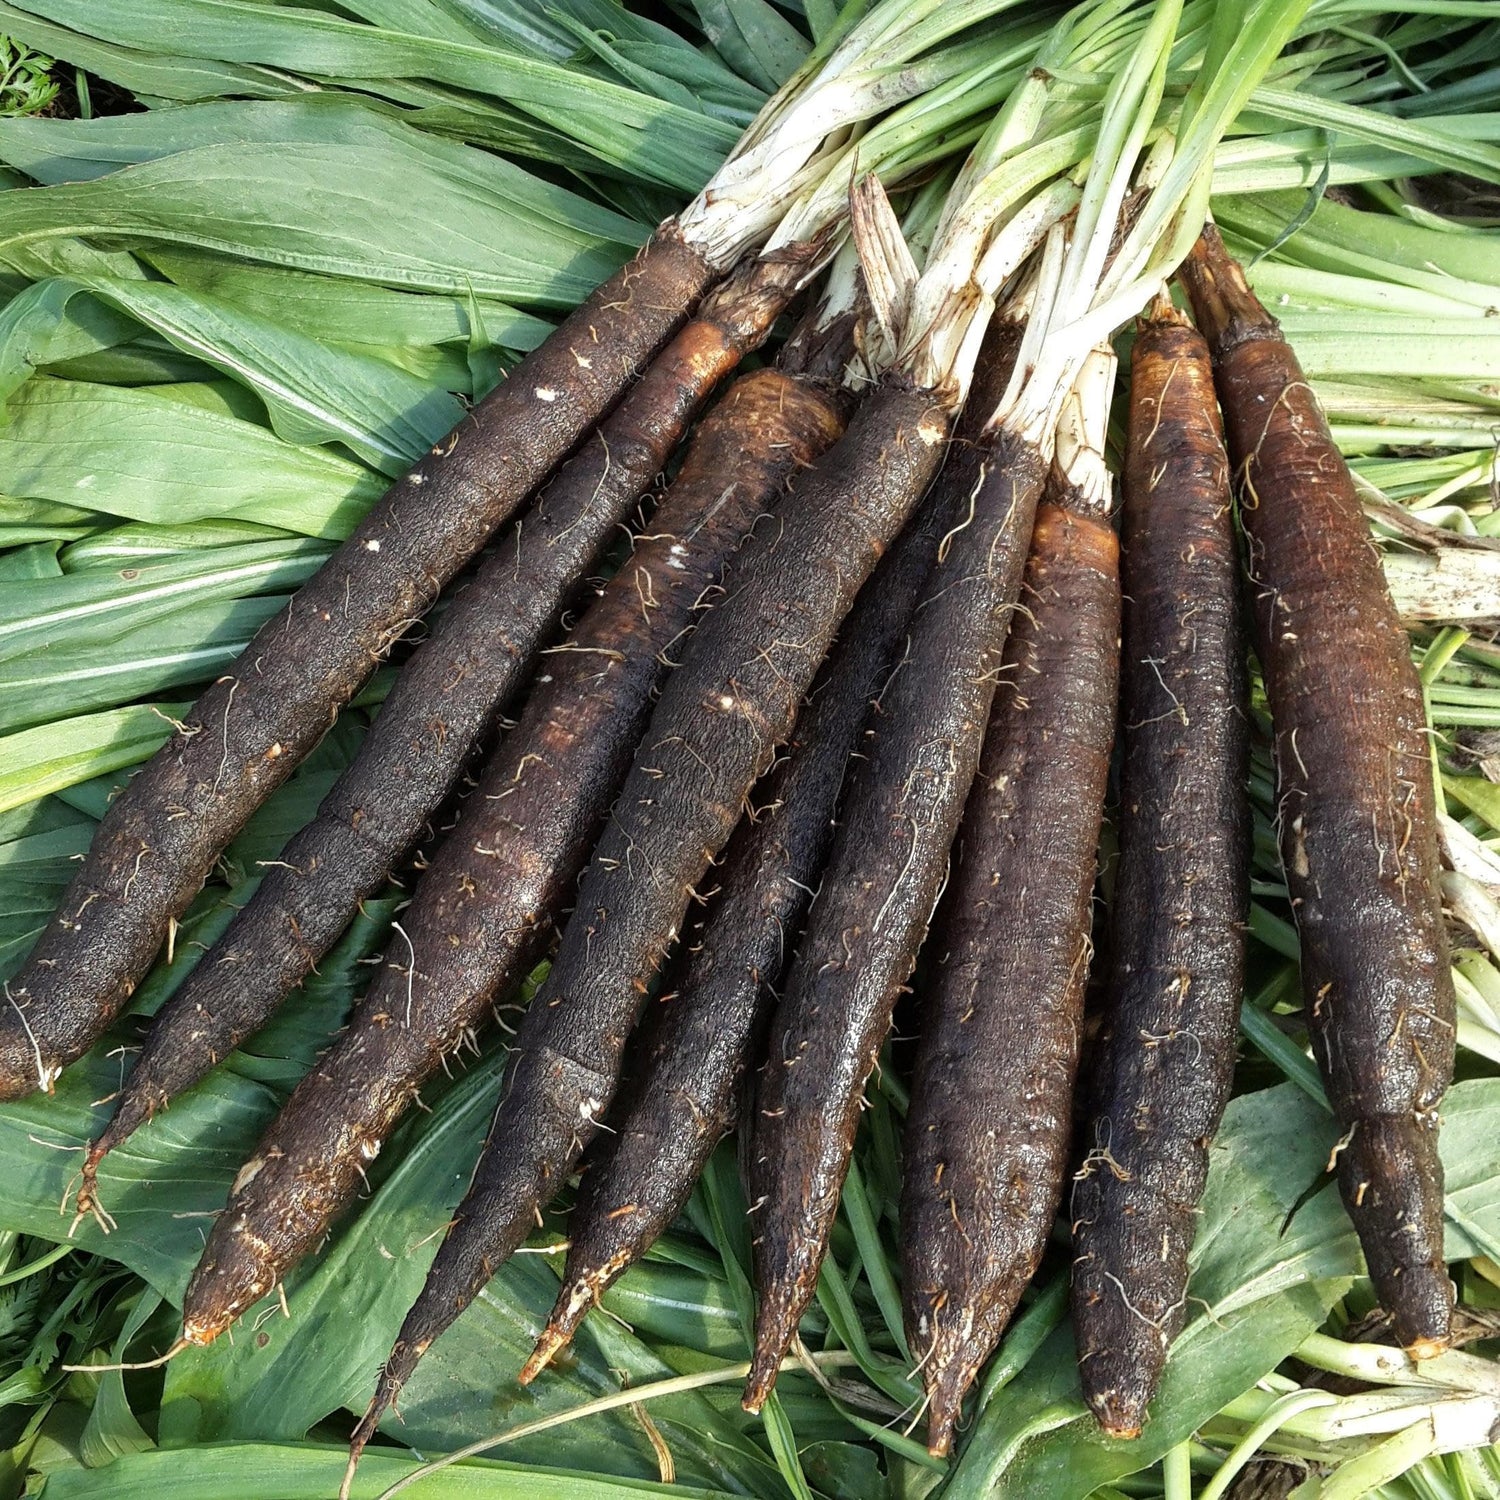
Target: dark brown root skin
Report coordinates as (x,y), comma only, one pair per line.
(445,697)
(1166,1061)
(248,732)
(1354,796)
(487,901)
(697,1040)
(991,1106)
(696,1043)
(714,732)
(887,865)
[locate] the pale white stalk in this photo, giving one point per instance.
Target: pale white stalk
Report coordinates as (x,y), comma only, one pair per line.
(1083,428)
(890,270)
(951,347)
(1136,95)
(1022,233)
(1041,294)
(877,66)
(1382,1364)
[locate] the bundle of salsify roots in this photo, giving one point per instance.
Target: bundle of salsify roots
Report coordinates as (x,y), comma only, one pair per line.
(882,596)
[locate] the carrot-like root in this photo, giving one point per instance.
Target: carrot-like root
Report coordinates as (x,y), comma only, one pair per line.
(446,696)
(885,870)
(988,1129)
(492,890)
(1166,1060)
(1355,799)
(248,731)
(714,731)
(987,1135)
(698,1039)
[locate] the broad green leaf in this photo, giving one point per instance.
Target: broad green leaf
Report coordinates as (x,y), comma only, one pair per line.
(352,313)
(34,762)
(221,396)
(130,453)
(39,560)
(754,38)
(630,63)
(64,255)
(479,225)
(49,322)
(555,31)
(288,1471)
(41,515)
(43,854)
(143,359)
(191,645)
(38,819)
(669,144)
(113,1431)
(136,540)
(150,72)
(25,909)
(416,17)
(673,1305)
(57,151)
(98,605)
(25,535)
(313,394)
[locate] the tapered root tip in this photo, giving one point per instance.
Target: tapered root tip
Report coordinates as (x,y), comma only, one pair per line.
(761,1380)
(1391,1179)
(572,1307)
(87,1201)
(775,1328)
(555,1336)
(1118,1413)
(125,1121)
(940,1433)
(398,1367)
(947,1376)
(363,1432)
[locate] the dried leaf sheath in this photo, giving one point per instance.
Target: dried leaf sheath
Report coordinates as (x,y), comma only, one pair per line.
(991,1112)
(252,727)
(442,702)
(697,1042)
(1166,1061)
(486,904)
(1355,798)
(715,730)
